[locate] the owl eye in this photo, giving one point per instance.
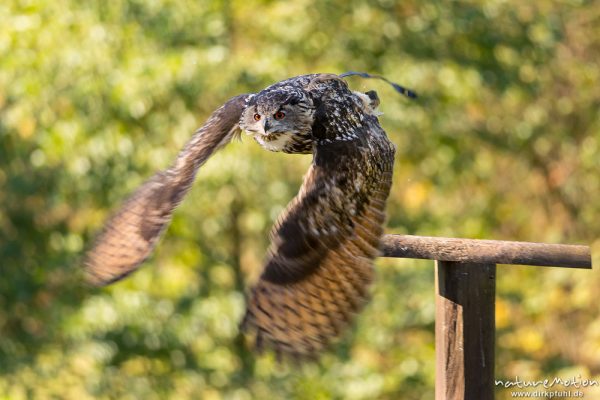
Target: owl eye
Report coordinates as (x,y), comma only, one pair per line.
(257,117)
(279,115)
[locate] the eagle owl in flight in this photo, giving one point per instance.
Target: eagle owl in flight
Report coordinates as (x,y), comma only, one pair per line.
(319,266)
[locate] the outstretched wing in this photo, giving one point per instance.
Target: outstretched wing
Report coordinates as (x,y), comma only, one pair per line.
(320,264)
(129,237)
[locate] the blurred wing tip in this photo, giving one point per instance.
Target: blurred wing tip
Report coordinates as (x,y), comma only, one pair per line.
(91,278)
(97,281)
(98,276)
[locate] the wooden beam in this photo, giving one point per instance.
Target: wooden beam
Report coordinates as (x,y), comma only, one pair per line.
(464,331)
(487,251)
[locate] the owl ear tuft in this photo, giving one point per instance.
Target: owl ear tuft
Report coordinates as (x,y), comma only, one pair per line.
(411,94)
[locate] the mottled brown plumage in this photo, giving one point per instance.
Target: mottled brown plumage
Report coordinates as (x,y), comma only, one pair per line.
(320,264)
(319,267)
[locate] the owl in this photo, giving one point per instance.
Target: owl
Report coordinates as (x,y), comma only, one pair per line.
(319,267)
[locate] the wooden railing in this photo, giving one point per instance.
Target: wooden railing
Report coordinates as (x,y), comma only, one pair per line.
(465,288)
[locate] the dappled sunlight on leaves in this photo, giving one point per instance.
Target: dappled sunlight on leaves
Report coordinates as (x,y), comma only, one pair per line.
(503,143)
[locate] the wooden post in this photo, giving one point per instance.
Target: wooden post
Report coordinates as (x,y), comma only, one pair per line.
(465,310)
(464,330)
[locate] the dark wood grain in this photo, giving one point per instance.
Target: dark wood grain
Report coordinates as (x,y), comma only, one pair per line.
(464,331)
(465,303)
(487,251)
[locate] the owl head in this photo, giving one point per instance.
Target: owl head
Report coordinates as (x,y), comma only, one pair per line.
(280,118)
(294,115)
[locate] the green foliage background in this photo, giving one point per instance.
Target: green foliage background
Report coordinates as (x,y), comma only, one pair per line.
(504,143)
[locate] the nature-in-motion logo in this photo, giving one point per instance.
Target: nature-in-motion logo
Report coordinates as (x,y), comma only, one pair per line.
(550,387)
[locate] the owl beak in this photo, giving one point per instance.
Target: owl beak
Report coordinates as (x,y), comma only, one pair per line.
(266,126)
